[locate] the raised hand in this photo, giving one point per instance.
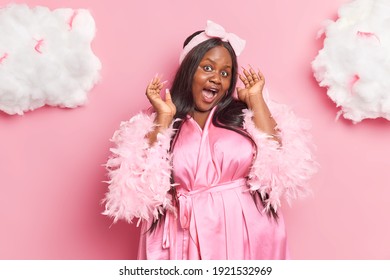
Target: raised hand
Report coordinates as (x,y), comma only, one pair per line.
(252,95)
(165,109)
(254,84)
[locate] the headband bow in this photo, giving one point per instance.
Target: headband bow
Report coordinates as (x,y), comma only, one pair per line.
(214,30)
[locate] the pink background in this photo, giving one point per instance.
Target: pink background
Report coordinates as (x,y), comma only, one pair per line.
(51,159)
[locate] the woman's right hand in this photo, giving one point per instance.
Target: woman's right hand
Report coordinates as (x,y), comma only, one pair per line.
(165,109)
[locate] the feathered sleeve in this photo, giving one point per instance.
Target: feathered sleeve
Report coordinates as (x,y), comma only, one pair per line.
(139,174)
(281,170)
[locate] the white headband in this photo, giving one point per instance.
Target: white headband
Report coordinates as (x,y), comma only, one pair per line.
(214,30)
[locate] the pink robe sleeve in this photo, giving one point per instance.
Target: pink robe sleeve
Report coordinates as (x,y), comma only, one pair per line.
(139,174)
(281,171)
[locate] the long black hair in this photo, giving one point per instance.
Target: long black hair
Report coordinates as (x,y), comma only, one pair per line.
(228,113)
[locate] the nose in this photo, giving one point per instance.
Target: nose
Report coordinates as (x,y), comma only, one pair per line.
(215,78)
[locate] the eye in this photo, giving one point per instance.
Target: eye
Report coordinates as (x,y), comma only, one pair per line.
(224,73)
(207,68)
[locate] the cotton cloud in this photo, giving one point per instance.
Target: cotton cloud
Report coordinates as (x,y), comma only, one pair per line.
(354,63)
(45,58)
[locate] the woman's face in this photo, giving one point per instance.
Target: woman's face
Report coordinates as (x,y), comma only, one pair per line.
(212,78)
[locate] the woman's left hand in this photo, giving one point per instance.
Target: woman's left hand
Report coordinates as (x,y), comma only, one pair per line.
(254,84)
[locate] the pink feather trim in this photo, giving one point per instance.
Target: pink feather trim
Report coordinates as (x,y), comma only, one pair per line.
(139,174)
(281,171)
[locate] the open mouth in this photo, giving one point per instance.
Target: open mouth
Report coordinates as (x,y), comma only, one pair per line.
(209,94)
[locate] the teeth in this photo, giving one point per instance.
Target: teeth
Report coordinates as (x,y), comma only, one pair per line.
(213,91)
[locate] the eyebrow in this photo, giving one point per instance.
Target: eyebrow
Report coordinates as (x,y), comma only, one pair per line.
(212,61)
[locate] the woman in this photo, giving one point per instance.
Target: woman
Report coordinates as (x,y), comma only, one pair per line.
(208,179)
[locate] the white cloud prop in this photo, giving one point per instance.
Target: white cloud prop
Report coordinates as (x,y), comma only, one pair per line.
(45,58)
(354,63)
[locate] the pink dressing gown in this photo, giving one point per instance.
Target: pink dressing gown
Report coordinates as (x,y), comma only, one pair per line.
(217,216)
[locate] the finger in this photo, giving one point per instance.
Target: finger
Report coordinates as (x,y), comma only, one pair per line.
(154,88)
(168,97)
(168,100)
(250,78)
(159,78)
(160,85)
(244,80)
(261,76)
(251,71)
(158,89)
(246,73)
(149,87)
(254,75)
(156,79)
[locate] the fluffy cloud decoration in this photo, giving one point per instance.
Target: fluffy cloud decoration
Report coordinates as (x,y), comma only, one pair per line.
(354,63)
(45,58)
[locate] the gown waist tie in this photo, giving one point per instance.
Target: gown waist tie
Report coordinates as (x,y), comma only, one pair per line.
(185,205)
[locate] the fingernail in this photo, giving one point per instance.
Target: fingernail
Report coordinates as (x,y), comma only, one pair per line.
(166,81)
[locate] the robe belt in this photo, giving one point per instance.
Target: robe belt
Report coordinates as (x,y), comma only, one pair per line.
(185,205)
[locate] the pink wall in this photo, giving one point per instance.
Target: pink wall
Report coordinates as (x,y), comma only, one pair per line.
(51,159)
